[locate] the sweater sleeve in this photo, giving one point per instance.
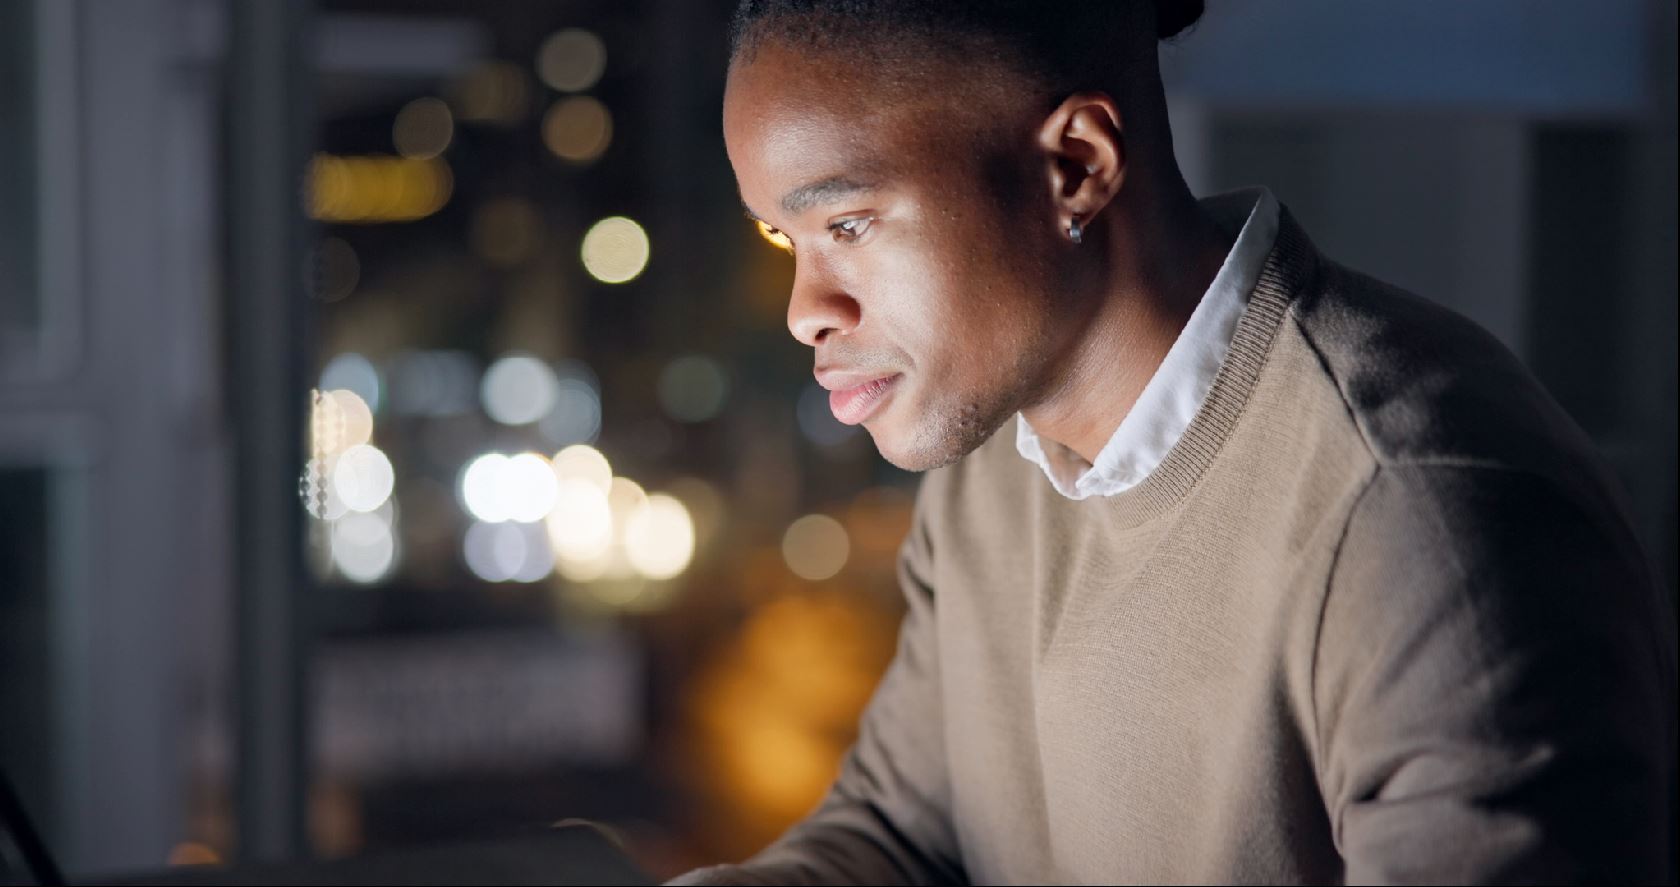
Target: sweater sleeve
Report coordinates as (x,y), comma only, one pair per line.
(1494,686)
(886,820)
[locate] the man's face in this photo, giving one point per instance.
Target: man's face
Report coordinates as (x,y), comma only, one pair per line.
(925,256)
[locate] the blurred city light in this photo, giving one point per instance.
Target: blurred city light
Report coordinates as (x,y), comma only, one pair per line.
(353,372)
(816,419)
(615,250)
(527,488)
(693,388)
(585,463)
(363,478)
(815,547)
(363,546)
(481,488)
(356,419)
(422,129)
(576,415)
(335,270)
(377,188)
(580,527)
(518,390)
(506,552)
(494,92)
(577,129)
(571,60)
(659,537)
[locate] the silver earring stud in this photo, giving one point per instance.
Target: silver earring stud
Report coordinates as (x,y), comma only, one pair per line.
(1076,231)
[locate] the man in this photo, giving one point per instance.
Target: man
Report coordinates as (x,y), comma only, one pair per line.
(1237,565)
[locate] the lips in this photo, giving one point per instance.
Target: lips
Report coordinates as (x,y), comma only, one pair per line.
(853,398)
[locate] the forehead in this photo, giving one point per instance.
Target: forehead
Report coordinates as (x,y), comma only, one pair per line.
(795,115)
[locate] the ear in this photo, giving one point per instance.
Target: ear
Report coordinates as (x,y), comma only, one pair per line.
(1083,141)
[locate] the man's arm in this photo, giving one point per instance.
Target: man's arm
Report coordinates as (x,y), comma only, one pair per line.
(1495,687)
(887,818)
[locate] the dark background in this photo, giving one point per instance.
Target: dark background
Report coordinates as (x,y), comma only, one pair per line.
(209,208)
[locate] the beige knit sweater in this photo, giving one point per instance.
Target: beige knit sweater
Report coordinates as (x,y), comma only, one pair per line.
(1377,617)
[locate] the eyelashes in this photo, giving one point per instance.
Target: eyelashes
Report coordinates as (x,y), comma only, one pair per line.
(848,231)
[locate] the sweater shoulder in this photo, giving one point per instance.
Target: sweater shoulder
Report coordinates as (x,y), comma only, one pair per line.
(1424,385)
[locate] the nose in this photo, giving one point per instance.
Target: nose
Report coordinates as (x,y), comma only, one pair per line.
(818,307)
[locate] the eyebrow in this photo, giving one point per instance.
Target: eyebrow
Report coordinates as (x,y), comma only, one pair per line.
(823,191)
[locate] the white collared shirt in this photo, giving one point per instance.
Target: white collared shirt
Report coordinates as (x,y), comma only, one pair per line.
(1175,393)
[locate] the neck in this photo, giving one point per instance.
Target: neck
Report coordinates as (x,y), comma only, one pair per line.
(1157,255)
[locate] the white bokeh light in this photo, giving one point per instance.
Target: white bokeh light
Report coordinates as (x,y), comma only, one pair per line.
(481,488)
(615,250)
(584,462)
(527,487)
(363,478)
(355,415)
(518,390)
(581,524)
(659,537)
(363,547)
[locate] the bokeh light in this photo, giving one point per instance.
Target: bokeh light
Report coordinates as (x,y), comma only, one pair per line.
(580,528)
(363,546)
(507,552)
(353,372)
(571,60)
(363,477)
(577,129)
(583,462)
(481,488)
(659,537)
(377,188)
(527,488)
(494,92)
(575,416)
(518,390)
(355,417)
(496,488)
(423,128)
(815,547)
(615,250)
(693,388)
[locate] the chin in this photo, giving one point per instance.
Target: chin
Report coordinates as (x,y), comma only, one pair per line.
(930,439)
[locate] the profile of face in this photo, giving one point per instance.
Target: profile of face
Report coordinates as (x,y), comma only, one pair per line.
(931,265)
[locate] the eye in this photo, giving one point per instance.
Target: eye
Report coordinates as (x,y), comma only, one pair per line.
(850,230)
(775,236)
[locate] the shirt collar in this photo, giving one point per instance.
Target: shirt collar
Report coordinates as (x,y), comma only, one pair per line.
(1180,384)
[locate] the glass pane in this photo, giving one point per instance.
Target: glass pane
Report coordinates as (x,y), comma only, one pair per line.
(20,305)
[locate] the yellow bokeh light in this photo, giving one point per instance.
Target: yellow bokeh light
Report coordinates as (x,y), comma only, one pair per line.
(377,188)
(776,238)
(580,527)
(356,419)
(583,462)
(494,92)
(615,250)
(815,547)
(423,128)
(659,537)
(577,129)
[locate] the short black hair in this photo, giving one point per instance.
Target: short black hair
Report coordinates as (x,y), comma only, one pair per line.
(1066,44)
